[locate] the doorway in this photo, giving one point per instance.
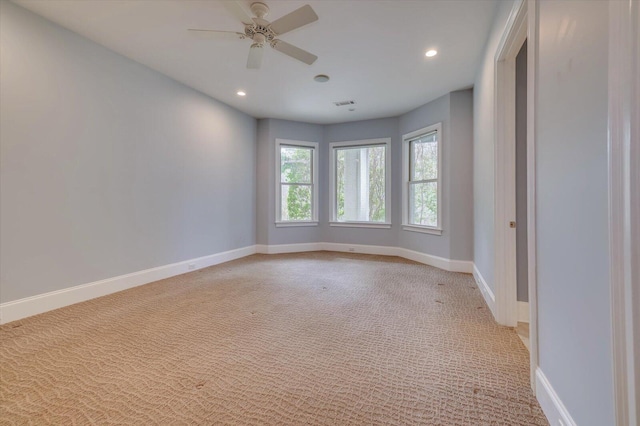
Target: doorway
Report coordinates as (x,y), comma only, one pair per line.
(508,225)
(522,270)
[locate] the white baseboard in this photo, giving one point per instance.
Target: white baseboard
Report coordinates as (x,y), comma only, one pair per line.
(22,308)
(465,266)
(523,312)
(360,248)
(488,295)
(427,259)
(550,403)
(287,248)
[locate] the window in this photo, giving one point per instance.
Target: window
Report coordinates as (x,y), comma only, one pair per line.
(360,183)
(296,189)
(422,192)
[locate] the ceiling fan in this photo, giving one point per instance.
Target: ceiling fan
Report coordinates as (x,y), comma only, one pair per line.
(262,31)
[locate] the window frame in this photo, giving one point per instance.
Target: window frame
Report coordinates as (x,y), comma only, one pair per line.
(314,183)
(333,146)
(406,178)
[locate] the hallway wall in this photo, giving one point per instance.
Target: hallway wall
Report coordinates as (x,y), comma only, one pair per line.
(574,318)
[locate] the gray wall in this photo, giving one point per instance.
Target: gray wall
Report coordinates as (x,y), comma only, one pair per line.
(454,110)
(108,167)
(268,131)
(263,169)
(521,175)
(426,115)
(483,150)
(572,224)
(459,174)
(359,130)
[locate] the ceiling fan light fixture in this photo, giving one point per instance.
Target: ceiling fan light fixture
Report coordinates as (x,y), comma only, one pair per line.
(431,53)
(321,78)
(241,93)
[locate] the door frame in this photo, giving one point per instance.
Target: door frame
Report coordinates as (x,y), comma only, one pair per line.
(521,26)
(624,206)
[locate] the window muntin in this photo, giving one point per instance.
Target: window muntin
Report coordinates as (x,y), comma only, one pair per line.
(296,182)
(360,172)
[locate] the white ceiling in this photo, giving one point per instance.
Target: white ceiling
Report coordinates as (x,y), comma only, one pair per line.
(372,50)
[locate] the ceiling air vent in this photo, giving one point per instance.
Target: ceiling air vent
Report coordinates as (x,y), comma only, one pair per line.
(343,103)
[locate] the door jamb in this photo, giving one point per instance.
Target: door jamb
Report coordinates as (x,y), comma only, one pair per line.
(520,27)
(532,269)
(624,206)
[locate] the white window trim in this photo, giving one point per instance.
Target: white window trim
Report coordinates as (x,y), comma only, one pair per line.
(406,139)
(314,182)
(387,192)
(296,223)
(422,229)
(379,225)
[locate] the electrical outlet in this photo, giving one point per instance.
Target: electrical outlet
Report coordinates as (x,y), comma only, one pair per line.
(351,249)
(191,266)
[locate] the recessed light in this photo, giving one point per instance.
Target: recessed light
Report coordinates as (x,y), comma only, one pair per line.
(431,53)
(241,93)
(321,78)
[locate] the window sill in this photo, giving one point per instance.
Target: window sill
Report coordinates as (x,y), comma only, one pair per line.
(378,225)
(422,229)
(296,224)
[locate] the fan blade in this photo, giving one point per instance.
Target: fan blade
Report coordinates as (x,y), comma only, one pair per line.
(238,11)
(294,52)
(255,56)
(215,34)
(296,19)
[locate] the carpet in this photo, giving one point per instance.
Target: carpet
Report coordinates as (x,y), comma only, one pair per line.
(298,339)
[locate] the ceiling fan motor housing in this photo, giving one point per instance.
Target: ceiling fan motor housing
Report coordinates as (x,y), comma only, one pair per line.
(260,31)
(263,30)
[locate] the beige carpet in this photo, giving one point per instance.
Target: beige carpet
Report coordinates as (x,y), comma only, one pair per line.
(317,338)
